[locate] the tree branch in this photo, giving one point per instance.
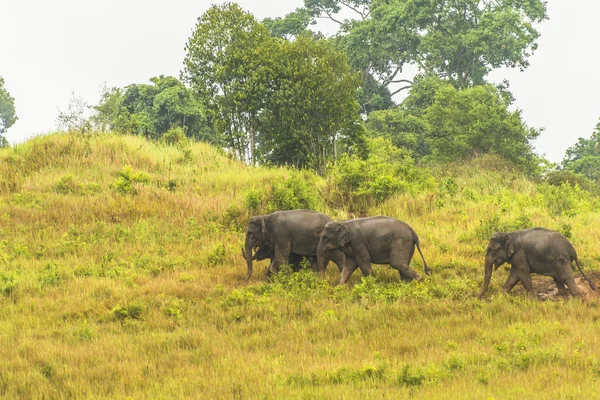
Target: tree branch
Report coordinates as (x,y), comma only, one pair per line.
(401,89)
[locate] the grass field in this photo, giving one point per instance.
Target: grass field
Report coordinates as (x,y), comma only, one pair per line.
(121,276)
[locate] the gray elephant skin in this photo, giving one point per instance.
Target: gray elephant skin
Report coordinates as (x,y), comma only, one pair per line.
(536,250)
(266,251)
(286,232)
(380,240)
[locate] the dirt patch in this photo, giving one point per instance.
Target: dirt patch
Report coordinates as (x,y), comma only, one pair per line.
(545,288)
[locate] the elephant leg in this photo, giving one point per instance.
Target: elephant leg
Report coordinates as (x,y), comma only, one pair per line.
(281,255)
(574,288)
(366,268)
(349,267)
(562,290)
(512,280)
(399,260)
(525,278)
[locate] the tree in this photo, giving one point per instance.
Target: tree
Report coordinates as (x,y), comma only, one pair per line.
(8,114)
(459,40)
(311,112)
(228,63)
(584,156)
(440,122)
(152,109)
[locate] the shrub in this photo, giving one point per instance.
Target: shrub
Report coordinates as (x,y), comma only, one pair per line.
(124,183)
(133,310)
(65,185)
(292,193)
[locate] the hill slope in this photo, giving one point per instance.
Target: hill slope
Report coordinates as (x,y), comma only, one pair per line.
(121,276)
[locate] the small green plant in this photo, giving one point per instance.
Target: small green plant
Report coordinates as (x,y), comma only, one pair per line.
(216,255)
(8,283)
(410,378)
(124,183)
(175,308)
(133,310)
(65,185)
(50,276)
(253,199)
(83,331)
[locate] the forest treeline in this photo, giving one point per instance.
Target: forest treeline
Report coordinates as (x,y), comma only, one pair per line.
(275,92)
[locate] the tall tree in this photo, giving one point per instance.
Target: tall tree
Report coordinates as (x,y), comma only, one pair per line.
(8,114)
(228,62)
(584,156)
(152,109)
(311,113)
(459,40)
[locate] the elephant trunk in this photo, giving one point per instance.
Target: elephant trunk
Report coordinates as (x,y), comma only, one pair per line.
(322,259)
(489,264)
(248,256)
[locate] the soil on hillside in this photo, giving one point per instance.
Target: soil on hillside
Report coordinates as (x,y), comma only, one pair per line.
(545,288)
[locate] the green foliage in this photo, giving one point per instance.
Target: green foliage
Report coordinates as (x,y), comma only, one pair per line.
(294,192)
(502,223)
(357,183)
(217,255)
(153,110)
(8,115)
(132,311)
(313,114)
(584,156)
(50,276)
(253,198)
(407,377)
(441,123)
(461,41)
(8,283)
(124,184)
(228,63)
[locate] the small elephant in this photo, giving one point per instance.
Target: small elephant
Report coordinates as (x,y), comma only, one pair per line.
(286,232)
(266,251)
(381,240)
(536,250)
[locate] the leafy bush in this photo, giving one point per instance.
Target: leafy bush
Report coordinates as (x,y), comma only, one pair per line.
(292,193)
(358,183)
(133,310)
(124,183)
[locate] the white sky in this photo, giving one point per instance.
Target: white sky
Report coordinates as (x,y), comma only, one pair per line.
(49,49)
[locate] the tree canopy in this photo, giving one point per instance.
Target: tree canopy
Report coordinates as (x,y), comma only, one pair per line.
(461,40)
(8,114)
(152,109)
(584,156)
(439,122)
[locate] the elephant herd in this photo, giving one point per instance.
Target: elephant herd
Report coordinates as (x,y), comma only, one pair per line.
(286,237)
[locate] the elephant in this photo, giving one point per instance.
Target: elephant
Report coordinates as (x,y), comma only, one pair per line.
(535,250)
(266,251)
(381,240)
(286,232)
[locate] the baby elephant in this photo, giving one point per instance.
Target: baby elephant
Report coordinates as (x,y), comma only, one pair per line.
(381,240)
(538,250)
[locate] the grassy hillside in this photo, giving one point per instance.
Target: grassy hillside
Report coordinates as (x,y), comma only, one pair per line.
(121,277)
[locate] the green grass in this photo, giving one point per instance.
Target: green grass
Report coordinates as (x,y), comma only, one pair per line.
(121,277)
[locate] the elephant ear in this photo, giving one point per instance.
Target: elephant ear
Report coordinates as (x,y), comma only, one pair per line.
(510,246)
(343,235)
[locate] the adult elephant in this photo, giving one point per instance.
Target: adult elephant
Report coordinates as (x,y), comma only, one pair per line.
(287,232)
(535,250)
(267,251)
(381,240)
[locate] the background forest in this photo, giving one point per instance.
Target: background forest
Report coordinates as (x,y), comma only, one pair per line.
(121,274)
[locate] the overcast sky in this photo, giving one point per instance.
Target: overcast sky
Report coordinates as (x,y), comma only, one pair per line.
(52,48)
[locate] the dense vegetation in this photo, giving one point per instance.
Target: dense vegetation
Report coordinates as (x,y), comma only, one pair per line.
(121,276)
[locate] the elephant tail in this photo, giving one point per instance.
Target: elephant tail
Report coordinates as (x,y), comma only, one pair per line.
(586,278)
(416,240)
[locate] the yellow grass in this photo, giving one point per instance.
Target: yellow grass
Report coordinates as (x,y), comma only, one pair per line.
(142,295)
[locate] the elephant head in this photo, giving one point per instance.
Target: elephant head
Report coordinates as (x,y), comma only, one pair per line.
(499,250)
(255,237)
(334,237)
(263,252)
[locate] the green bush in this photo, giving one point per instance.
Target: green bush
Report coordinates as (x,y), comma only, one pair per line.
(124,183)
(294,192)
